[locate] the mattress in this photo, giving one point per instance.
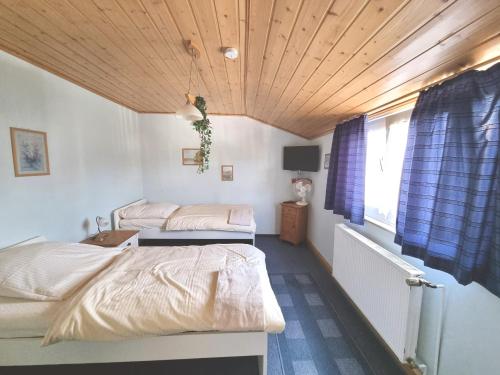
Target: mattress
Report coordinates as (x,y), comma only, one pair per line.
(25,318)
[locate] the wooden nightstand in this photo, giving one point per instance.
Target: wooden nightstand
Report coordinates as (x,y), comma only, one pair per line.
(293,222)
(115,238)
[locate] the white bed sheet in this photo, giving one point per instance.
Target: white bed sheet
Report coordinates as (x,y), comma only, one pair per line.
(139,224)
(25,318)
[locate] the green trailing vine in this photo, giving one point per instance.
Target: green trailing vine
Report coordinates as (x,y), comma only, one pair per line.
(205,131)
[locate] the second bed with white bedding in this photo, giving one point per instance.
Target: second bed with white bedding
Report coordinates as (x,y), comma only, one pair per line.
(203,221)
(199,217)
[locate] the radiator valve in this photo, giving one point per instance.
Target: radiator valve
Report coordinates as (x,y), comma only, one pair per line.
(417,281)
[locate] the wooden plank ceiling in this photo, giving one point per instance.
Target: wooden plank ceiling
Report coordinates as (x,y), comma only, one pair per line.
(304,65)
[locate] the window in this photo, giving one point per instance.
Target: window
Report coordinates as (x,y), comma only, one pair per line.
(384,161)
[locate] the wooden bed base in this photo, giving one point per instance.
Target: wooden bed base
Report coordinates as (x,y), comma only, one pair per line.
(156,236)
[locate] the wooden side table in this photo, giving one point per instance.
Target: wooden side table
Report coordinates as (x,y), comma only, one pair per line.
(114,238)
(293,222)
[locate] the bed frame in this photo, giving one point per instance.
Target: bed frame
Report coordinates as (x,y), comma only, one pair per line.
(192,345)
(156,236)
(27,351)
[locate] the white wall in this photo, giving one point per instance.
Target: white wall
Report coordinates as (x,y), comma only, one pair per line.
(321,222)
(93,149)
(471,331)
(253,148)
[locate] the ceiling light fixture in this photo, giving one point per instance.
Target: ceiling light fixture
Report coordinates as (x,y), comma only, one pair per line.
(188,111)
(231,53)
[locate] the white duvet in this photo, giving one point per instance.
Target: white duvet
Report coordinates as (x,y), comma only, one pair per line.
(207,217)
(165,290)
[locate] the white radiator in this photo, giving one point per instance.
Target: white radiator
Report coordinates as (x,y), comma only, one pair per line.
(375,280)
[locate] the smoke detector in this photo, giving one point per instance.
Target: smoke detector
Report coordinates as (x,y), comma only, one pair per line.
(231,53)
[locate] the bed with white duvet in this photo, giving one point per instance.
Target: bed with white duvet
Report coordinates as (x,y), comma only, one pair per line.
(87,304)
(169,221)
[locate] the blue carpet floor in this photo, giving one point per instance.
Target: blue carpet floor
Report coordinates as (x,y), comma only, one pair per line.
(356,351)
(314,341)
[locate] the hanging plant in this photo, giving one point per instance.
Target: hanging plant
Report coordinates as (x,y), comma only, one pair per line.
(205,131)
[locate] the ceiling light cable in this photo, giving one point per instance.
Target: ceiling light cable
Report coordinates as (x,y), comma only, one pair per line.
(190,72)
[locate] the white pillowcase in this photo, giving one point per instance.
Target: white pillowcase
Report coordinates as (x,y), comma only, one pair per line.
(149,211)
(50,271)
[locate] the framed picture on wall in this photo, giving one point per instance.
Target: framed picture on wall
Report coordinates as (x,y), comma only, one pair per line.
(29,152)
(191,156)
(327,161)
(226,173)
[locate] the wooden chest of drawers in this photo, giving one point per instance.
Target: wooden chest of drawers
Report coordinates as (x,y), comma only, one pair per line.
(293,222)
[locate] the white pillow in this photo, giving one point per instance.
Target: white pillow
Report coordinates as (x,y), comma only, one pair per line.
(50,271)
(149,211)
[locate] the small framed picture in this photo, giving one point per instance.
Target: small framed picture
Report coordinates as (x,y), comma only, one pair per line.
(327,161)
(191,156)
(29,152)
(226,173)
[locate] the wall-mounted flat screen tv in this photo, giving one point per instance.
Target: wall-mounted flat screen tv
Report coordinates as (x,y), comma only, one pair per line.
(301,158)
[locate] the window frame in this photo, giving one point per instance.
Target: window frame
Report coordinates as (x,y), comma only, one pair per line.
(371,220)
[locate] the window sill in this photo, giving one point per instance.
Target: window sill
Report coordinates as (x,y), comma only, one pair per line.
(380,224)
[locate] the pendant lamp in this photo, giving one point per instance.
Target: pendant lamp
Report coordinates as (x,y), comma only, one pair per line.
(188,111)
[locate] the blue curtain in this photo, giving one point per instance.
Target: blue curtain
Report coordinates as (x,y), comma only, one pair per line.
(345,188)
(449,203)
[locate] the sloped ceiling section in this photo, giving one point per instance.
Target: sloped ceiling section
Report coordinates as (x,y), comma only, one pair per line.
(304,65)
